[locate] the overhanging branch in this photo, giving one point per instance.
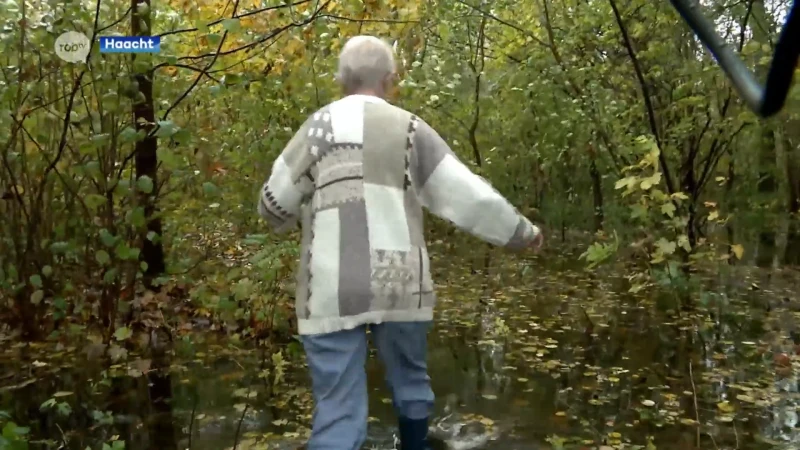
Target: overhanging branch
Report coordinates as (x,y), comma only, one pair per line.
(651,115)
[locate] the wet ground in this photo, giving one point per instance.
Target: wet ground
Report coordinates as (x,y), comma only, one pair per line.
(524,355)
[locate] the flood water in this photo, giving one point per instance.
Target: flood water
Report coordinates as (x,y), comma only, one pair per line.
(524,355)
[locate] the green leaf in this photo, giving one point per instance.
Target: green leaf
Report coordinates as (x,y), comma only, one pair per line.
(100,139)
(683,242)
(124,252)
(37,297)
(110,101)
(129,134)
(213,38)
(110,276)
(47,404)
(231,25)
(93,201)
(638,211)
(47,271)
(210,189)
(145,184)
(107,238)
(666,247)
(36,281)
(122,333)
(668,209)
(122,188)
(166,128)
(444,31)
(651,181)
(59,247)
(137,217)
(182,136)
(102,257)
(64,409)
(232,79)
(624,182)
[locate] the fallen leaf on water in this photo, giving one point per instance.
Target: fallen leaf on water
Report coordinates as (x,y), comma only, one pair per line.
(725,407)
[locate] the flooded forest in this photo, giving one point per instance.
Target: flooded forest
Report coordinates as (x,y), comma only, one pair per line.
(145,305)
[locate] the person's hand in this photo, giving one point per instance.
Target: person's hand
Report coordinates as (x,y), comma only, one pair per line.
(537,242)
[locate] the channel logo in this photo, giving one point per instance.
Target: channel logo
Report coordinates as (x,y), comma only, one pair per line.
(130,44)
(73,46)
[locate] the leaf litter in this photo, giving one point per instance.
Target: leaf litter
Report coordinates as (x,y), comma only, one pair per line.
(568,358)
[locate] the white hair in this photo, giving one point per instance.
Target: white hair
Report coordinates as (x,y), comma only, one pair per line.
(364,63)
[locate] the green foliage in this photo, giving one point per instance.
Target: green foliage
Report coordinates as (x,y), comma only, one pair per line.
(541,98)
(13,437)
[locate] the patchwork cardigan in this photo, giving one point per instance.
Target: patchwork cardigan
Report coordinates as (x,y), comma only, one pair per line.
(356,176)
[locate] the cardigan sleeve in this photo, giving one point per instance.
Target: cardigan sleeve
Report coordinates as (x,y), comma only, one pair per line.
(450,190)
(288,184)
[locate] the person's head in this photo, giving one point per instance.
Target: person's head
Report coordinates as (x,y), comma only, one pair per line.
(366,66)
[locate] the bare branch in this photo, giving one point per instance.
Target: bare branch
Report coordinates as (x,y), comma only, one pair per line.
(245,14)
(70,103)
(352,19)
(651,115)
(200,75)
(506,23)
(116,22)
(219,53)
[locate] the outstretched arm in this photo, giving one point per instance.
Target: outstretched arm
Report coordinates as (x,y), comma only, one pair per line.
(288,184)
(451,191)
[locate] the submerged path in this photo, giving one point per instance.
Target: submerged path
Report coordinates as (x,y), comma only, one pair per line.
(524,355)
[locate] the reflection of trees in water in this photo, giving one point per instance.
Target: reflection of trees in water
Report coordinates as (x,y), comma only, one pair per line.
(162,426)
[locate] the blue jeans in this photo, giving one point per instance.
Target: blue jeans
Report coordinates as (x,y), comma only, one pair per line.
(336,362)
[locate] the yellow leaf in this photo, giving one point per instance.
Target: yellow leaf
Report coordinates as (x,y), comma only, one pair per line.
(725,407)
(713,216)
(737,250)
(680,196)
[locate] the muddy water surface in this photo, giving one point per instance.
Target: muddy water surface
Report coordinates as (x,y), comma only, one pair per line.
(524,355)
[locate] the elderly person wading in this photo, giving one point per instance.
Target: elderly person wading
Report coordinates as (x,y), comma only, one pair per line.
(357,175)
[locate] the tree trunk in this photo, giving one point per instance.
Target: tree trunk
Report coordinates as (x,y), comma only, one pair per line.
(767,185)
(146,153)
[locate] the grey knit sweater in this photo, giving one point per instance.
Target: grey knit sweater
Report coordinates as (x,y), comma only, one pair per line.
(356,175)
